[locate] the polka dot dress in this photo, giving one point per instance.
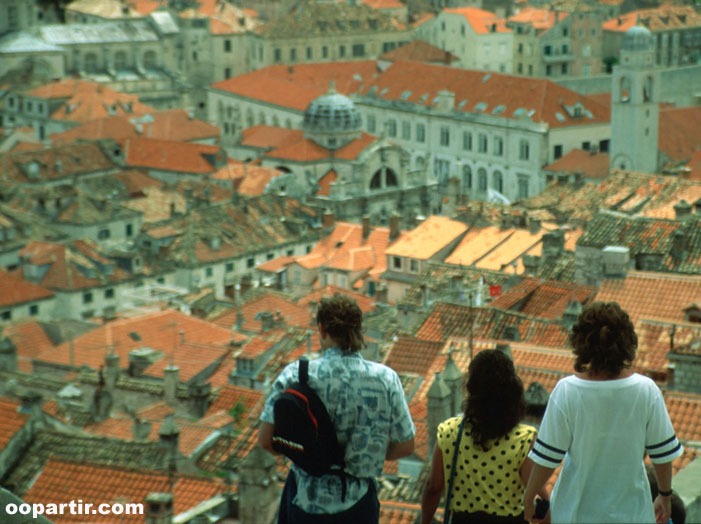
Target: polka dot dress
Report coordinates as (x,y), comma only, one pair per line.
(488,481)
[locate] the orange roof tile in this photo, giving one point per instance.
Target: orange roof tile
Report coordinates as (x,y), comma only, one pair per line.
(539,19)
(276,265)
(544,299)
(109,127)
(429,237)
(481,21)
(384,4)
(662,18)
(412,355)
(15,291)
(135,181)
(256,179)
(202,343)
(169,156)
(366,304)
(680,130)
(591,165)
(419,51)
(695,166)
(12,420)
(292,314)
(652,295)
(325,182)
(250,399)
(654,343)
(685,411)
(477,243)
(61,482)
(422,18)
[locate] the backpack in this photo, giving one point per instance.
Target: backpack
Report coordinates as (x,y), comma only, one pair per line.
(303,430)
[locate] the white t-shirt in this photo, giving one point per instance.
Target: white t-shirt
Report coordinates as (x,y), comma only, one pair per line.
(603,429)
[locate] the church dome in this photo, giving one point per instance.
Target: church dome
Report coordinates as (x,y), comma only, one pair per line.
(332,112)
(637,38)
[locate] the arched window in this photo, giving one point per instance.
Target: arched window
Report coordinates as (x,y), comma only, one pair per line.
(498,181)
(391,178)
(283,169)
(482,179)
(120,61)
(466,177)
(261,118)
(376,181)
(249,118)
(229,112)
(288,123)
(90,63)
(624,89)
(276,121)
(420,162)
(150,59)
(647,89)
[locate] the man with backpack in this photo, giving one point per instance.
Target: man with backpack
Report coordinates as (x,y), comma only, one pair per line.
(366,405)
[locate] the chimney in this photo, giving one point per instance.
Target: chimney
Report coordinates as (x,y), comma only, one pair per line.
(111,371)
(8,355)
(615,260)
(452,376)
(511,333)
(438,407)
(536,399)
(159,508)
(31,402)
(382,293)
(140,429)
(170,384)
(258,487)
(679,242)
(571,313)
(531,263)
(553,243)
(533,224)
(366,226)
(199,393)
(393,226)
(169,435)
(446,101)
(267,321)
(506,220)
(327,219)
(682,209)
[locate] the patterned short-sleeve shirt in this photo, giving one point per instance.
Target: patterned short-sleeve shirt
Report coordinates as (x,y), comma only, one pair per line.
(367,405)
(488,481)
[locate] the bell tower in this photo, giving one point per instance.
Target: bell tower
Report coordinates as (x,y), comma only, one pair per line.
(634,105)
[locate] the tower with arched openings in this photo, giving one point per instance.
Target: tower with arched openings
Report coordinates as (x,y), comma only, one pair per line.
(634,104)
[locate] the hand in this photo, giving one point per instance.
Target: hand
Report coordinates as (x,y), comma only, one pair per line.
(663,509)
(528,508)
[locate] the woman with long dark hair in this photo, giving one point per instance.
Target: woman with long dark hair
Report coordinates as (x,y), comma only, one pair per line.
(492,464)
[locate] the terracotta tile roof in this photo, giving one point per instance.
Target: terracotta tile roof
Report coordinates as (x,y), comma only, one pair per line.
(393,512)
(61,481)
(167,155)
(591,165)
(491,247)
(428,238)
(73,266)
(544,299)
(230,396)
(652,295)
(384,4)
(146,7)
(366,304)
(663,18)
(12,420)
(135,181)
(412,355)
(225,18)
(422,18)
(157,411)
(685,411)
(26,146)
(92,101)
(109,127)
(55,163)
(292,314)
(325,182)
(276,265)
(654,343)
(540,19)
(256,179)
(158,331)
(29,338)
(695,166)
(15,291)
(481,21)
(419,51)
(680,130)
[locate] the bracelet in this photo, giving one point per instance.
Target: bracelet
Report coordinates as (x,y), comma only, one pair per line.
(665,493)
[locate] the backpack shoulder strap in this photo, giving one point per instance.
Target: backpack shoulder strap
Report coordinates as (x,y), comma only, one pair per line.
(303,372)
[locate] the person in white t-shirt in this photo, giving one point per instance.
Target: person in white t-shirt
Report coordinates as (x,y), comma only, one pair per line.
(602,421)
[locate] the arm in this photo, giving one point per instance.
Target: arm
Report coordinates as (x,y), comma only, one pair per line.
(265,437)
(525,471)
(433,489)
(397,450)
(663,505)
(536,482)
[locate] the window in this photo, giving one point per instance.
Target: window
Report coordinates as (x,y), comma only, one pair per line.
(462,30)
(227,72)
(519,68)
(498,181)
(548,70)
(413,265)
(310,53)
(341,51)
(482,143)
(34,310)
(12,16)
(397,262)
(129,230)
(229,267)
(277,54)
(445,136)
(87,298)
(371,124)
(420,133)
(524,150)
(442,170)
(522,186)
(227,46)
(150,59)
(586,145)
(557,151)
(290,252)
(6,315)
(103,234)
(604,146)
(250,262)
(29,107)
(498,146)
(564,69)
(406,130)
(208,272)
(530,69)
(565,31)
(392,128)
(467,141)
(358,50)
(520,49)
(547,50)
(324,52)
(269,256)
(466,177)
(482,179)
(109,292)
(293,54)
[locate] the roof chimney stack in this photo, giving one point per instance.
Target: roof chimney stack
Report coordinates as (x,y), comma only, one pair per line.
(394,227)
(328,218)
(366,226)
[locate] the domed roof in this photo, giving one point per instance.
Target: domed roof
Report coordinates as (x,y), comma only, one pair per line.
(637,38)
(332,112)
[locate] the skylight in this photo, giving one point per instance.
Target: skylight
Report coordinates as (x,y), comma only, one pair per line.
(434,100)
(486,77)
(481,106)
(384,91)
(560,116)
(519,111)
(462,104)
(498,109)
(423,97)
(405,95)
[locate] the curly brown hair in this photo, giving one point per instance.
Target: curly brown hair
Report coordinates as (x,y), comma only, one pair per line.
(343,321)
(603,339)
(494,402)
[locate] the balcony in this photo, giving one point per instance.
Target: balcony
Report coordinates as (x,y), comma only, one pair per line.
(558,57)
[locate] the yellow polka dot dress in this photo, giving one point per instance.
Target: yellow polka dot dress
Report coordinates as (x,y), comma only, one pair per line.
(488,481)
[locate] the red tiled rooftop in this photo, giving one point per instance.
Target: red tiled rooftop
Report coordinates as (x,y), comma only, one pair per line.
(419,51)
(12,420)
(481,21)
(15,291)
(663,18)
(169,155)
(685,412)
(366,304)
(540,19)
(411,355)
(591,165)
(230,396)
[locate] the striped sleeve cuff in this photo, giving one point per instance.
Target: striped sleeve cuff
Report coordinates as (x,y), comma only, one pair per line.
(664,451)
(546,455)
